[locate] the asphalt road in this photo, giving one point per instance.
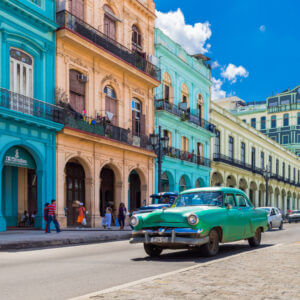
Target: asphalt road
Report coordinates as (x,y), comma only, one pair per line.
(66,272)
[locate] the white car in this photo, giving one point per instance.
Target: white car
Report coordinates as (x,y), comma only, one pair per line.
(274,217)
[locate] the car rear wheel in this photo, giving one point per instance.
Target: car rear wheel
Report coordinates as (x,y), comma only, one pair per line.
(212,247)
(153,250)
(255,241)
(281,226)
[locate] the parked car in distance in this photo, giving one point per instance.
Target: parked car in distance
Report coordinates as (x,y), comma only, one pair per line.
(294,216)
(275,219)
(158,201)
(200,218)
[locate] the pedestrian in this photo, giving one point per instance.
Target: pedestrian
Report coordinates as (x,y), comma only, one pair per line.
(46,213)
(107,217)
(52,217)
(122,215)
(81,215)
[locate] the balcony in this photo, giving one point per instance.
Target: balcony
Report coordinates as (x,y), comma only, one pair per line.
(29,106)
(283,107)
(248,167)
(102,128)
(185,115)
(189,157)
(68,21)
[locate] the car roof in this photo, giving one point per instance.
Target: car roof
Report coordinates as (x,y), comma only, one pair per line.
(164,194)
(213,189)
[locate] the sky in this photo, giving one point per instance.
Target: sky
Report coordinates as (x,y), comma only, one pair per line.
(254,45)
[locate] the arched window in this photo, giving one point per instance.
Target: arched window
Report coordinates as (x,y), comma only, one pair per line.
(169,135)
(136,38)
(184,96)
(138,119)
(109,22)
(21,73)
(200,106)
(76,8)
(111,105)
(167,88)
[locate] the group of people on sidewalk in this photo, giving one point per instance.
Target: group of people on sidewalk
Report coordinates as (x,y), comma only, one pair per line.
(50,216)
(122,213)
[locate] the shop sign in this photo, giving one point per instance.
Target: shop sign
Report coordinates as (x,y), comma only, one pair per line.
(19,157)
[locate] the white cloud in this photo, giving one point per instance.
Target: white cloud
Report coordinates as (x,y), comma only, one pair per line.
(192,37)
(216,90)
(215,65)
(232,72)
(262,28)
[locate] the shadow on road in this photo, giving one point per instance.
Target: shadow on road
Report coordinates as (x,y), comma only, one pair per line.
(196,256)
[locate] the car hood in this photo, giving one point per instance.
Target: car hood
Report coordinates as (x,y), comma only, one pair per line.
(175,215)
(294,215)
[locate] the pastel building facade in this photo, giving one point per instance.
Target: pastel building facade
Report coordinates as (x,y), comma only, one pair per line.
(241,155)
(182,110)
(29,118)
(106,83)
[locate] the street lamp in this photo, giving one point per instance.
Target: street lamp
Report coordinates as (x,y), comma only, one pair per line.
(267,176)
(160,145)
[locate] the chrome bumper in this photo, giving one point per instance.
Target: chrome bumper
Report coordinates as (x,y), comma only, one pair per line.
(182,236)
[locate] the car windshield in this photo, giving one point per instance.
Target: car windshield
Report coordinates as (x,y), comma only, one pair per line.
(163,199)
(200,198)
(266,209)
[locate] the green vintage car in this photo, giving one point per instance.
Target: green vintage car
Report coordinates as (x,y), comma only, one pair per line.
(200,218)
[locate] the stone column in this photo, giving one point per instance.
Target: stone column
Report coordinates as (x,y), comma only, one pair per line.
(90,200)
(95,211)
(272,199)
(284,203)
(41,199)
(247,192)
(256,197)
(2,219)
(61,189)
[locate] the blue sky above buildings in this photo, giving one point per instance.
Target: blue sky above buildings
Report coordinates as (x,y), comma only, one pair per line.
(254,44)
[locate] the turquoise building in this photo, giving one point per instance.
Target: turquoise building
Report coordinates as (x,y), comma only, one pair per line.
(29,118)
(182,104)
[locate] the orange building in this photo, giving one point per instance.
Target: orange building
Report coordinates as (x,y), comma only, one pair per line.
(105,82)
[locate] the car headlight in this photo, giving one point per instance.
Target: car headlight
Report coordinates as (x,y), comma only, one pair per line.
(193,219)
(134,221)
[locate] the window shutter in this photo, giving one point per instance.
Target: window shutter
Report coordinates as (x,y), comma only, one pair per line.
(77,8)
(143,124)
(133,123)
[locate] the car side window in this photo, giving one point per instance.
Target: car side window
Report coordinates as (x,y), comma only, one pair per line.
(273,212)
(229,199)
(241,200)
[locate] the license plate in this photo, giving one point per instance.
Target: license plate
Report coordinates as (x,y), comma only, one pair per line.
(160,239)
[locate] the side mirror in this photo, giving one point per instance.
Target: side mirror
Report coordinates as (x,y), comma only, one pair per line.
(228,206)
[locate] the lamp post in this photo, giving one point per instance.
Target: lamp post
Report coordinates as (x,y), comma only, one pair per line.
(267,176)
(159,144)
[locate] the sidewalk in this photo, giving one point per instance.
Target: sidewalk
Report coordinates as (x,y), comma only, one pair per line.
(266,273)
(24,239)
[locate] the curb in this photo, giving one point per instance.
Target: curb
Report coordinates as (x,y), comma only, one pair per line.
(62,242)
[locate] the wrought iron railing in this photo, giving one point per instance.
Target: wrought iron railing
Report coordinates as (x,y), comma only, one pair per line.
(187,156)
(240,164)
(101,127)
(29,106)
(283,107)
(185,115)
(69,21)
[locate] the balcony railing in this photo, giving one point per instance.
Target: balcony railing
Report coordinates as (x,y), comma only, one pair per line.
(69,21)
(102,128)
(189,157)
(185,115)
(248,167)
(29,106)
(283,107)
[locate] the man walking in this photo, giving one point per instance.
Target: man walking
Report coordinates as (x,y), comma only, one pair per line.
(52,217)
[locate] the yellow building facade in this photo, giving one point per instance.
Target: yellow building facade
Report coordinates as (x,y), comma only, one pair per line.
(106,84)
(241,155)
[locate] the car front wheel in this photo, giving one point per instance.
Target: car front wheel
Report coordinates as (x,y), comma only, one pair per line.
(212,247)
(153,250)
(255,241)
